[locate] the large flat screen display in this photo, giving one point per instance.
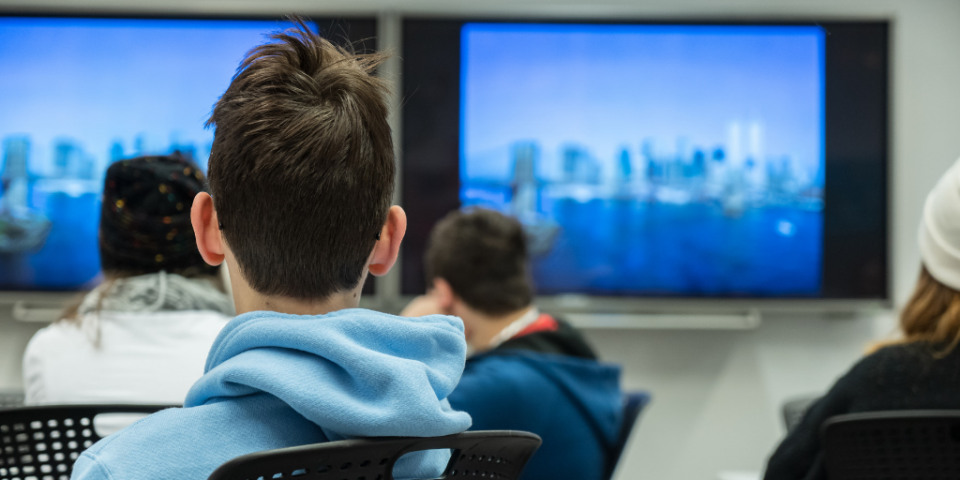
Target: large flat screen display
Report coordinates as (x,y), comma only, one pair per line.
(651,158)
(646,159)
(80,93)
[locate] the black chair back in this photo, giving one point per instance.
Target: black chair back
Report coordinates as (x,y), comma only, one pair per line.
(43,442)
(498,454)
(633,404)
(906,445)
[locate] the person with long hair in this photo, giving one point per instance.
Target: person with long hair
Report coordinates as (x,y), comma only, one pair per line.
(141,336)
(917,371)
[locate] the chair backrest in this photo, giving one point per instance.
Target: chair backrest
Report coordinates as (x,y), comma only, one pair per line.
(633,404)
(906,445)
(43,442)
(498,454)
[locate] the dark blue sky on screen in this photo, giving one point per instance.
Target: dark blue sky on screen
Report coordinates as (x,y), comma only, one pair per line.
(606,87)
(99,80)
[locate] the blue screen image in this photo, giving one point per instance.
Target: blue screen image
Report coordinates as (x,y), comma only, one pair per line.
(79,93)
(675,160)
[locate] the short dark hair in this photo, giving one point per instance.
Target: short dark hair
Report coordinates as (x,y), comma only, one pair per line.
(302,168)
(482,254)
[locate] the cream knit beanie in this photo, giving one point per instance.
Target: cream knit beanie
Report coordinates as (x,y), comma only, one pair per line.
(940,229)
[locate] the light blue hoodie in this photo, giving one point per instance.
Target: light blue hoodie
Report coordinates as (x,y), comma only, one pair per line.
(274,380)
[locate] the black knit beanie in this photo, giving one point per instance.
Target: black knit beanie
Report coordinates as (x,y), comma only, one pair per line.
(145,220)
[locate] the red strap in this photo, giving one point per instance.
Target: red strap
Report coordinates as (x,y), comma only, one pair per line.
(543,323)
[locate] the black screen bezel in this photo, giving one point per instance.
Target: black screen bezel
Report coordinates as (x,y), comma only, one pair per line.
(856,226)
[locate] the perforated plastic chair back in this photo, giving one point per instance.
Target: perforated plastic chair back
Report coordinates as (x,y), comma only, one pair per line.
(633,404)
(905,445)
(41,443)
(496,454)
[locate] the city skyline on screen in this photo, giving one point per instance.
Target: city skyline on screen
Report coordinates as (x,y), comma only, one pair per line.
(651,159)
(81,93)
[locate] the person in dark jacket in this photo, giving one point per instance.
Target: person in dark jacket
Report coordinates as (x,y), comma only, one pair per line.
(919,371)
(528,370)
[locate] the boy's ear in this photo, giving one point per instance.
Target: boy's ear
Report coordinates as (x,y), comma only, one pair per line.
(388,247)
(443,294)
(207,229)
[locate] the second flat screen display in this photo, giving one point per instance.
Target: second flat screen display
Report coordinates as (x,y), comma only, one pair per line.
(645,159)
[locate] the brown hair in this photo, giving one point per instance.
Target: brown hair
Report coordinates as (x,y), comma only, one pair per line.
(482,254)
(932,316)
(302,169)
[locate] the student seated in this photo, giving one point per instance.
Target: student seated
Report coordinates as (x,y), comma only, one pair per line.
(530,371)
(143,335)
(301,177)
(918,371)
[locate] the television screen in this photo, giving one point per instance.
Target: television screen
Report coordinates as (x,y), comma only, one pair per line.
(650,158)
(646,159)
(80,93)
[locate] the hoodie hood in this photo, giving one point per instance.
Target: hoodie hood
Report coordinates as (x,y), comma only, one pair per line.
(560,353)
(353,372)
(573,403)
(592,387)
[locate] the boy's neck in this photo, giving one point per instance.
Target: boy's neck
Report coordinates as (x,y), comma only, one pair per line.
(486,327)
(246,299)
(295,306)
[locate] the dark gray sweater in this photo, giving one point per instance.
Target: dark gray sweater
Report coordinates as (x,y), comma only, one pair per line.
(901,377)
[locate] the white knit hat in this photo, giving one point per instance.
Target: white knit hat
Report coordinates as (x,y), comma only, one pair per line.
(940,229)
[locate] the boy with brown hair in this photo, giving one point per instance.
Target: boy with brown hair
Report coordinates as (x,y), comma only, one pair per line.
(530,371)
(301,176)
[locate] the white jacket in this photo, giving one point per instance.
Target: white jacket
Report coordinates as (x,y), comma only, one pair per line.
(142,358)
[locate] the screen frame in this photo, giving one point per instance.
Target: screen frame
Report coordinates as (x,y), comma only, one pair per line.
(367,43)
(604,303)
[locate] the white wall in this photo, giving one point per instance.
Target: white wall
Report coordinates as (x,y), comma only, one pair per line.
(13,340)
(716,393)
